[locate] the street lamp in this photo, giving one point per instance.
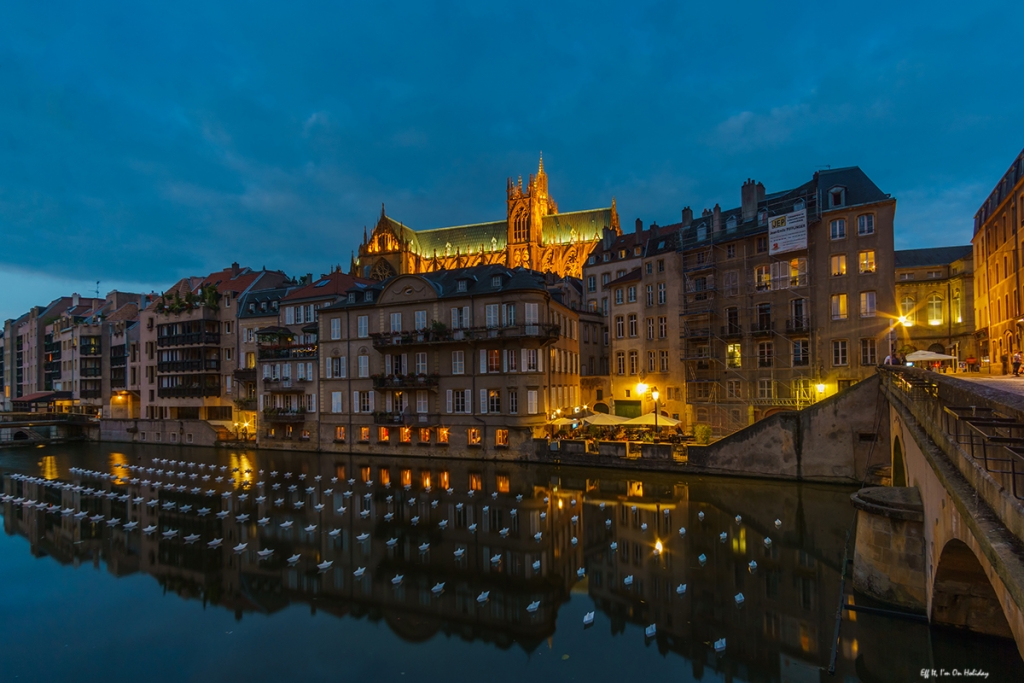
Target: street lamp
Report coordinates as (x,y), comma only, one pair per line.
(655,395)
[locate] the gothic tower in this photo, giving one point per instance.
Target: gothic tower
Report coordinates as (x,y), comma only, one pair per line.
(526,210)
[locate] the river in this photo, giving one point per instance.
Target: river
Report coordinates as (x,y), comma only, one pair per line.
(387,568)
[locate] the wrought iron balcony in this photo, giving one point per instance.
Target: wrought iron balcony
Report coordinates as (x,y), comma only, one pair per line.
(410,381)
(189,339)
(90,393)
(732,331)
(91,372)
(90,350)
(193,365)
(245,374)
(282,415)
(287,351)
(798,325)
(762,328)
(542,332)
(193,391)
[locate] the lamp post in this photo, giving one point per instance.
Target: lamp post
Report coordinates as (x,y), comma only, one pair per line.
(655,395)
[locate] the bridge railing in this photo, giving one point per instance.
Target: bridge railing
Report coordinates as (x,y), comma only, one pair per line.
(985,426)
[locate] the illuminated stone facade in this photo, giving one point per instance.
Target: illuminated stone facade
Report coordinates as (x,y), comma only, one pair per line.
(533,235)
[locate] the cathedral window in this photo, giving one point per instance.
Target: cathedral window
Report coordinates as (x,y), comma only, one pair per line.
(521,227)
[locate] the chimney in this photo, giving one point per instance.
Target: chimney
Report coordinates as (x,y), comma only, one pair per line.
(606,238)
(687,216)
(74,299)
(639,226)
(751,194)
(716,219)
(234,269)
(705,213)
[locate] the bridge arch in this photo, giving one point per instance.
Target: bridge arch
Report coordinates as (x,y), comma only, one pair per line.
(899,465)
(962,594)
(20,436)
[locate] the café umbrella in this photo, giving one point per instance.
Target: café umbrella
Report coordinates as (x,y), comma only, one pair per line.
(650,420)
(604,420)
(927,356)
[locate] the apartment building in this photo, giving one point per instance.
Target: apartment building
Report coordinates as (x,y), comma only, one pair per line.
(257,309)
(473,361)
(288,367)
(997,244)
(935,298)
(189,342)
(788,298)
(30,366)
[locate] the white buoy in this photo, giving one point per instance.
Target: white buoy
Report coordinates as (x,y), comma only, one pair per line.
(536,565)
(739,519)
(588,618)
(294,559)
(240,548)
(397,579)
(392,542)
(778,524)
(614,546)
(265,553)
(739,599)
(722,536)
(438,588)
(700,515)
(681,589)
(628,581)
(358,573)
(532,607)
(682,531)
(702,558)
(651,631)
(424,547)
(767,542)
(362,537)
(752,566)
(325,565)
(720,645)
(483,597)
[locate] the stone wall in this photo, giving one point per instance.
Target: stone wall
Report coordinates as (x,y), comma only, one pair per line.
(889,563)
(833,441)
(159,432)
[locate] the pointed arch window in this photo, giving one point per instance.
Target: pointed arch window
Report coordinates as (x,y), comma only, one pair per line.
(521,227)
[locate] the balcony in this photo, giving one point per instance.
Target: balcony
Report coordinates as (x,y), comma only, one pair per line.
(284,385)
(194,365)
(245,374)
(245,404)
(90,350)
(798,325)
(190,339)
(765,361)
(282,415)
(544,333)
(118,361)
(191,391)
(91,372)
(90,393)
(762,328)
(410,381)
(732,331)
(410,419)
(286,352)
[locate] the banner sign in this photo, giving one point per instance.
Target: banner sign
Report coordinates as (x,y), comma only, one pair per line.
(787,232)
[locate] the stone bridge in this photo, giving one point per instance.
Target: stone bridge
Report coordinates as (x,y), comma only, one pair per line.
(945,538)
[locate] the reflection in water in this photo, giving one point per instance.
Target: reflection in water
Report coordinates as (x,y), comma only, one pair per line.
(485,551)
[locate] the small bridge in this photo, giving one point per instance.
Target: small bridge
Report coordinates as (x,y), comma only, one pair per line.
(947,536)
(24,429)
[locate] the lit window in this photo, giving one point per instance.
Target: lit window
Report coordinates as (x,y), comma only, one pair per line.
(838,264)
(424,434)
(364,434)
(364,473)
(839,309)
(383,435)
(907,311)
(475,482)
(339,434)
(867,304)
(404,436)
(934,310)
(733,357)
(867,261)
(406,477)
(442,435)
(501,440)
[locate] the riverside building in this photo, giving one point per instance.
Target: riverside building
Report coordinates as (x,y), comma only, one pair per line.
(998,279)
(473,361)
(783,300)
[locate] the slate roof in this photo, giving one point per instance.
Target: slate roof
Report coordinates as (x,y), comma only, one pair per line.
(493,236)
(932,256)
(258,297)
(332,284)
(628,277)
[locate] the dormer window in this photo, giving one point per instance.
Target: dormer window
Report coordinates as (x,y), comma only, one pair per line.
(351,297)
(606,258)
(730,224)
(462,286)
(263,306)
(496,281)
(252,308)
(836,197)
(592,260)
(622,253)
(274,305)
(636,251)
(368,296)
(762,217)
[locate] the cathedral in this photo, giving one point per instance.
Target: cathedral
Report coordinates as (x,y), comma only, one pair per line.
(533,235)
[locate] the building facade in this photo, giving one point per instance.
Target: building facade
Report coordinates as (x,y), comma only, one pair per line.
(773,320)
(533,235)
(935,299)
(997,283)
(473,361)
(189,343)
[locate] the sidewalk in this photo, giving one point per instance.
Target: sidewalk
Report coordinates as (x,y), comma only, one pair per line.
(1003,382)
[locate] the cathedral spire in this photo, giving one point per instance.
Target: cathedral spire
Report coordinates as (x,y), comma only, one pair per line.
(382,214)
(540,167)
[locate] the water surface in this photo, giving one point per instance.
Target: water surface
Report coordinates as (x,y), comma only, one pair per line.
(97,602)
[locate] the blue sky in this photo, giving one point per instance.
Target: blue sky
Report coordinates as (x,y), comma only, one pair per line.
(141,143)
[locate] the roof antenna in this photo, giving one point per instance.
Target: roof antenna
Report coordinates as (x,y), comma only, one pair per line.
(97,289)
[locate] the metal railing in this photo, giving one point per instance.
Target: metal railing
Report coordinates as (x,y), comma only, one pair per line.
(191,338)
(542,332)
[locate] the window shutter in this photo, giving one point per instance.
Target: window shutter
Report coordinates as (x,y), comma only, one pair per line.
(371,400)
(504,360)
(524,366)
(469,402)
(335,401)
(335,328)
(455,320)
(261,402)
(387,363)
(327,368)
(540,360)
(355,401)
(405,364)
(483,362)
(289,316)
(312,402)
(309,371)
(387,402)
(449,400)
(483,401)
(343,367)
(465,316)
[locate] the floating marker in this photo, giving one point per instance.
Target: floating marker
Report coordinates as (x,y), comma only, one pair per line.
(682,531)
(588,618)
(739,519)
(767,542)
(752,566)
(681,589)
(628,581)
(722,536)
(720,645)
(651,631)
(702,558)
(700,515)
(778,524)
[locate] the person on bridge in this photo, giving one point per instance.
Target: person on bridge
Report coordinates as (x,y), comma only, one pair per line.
(1016,364)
